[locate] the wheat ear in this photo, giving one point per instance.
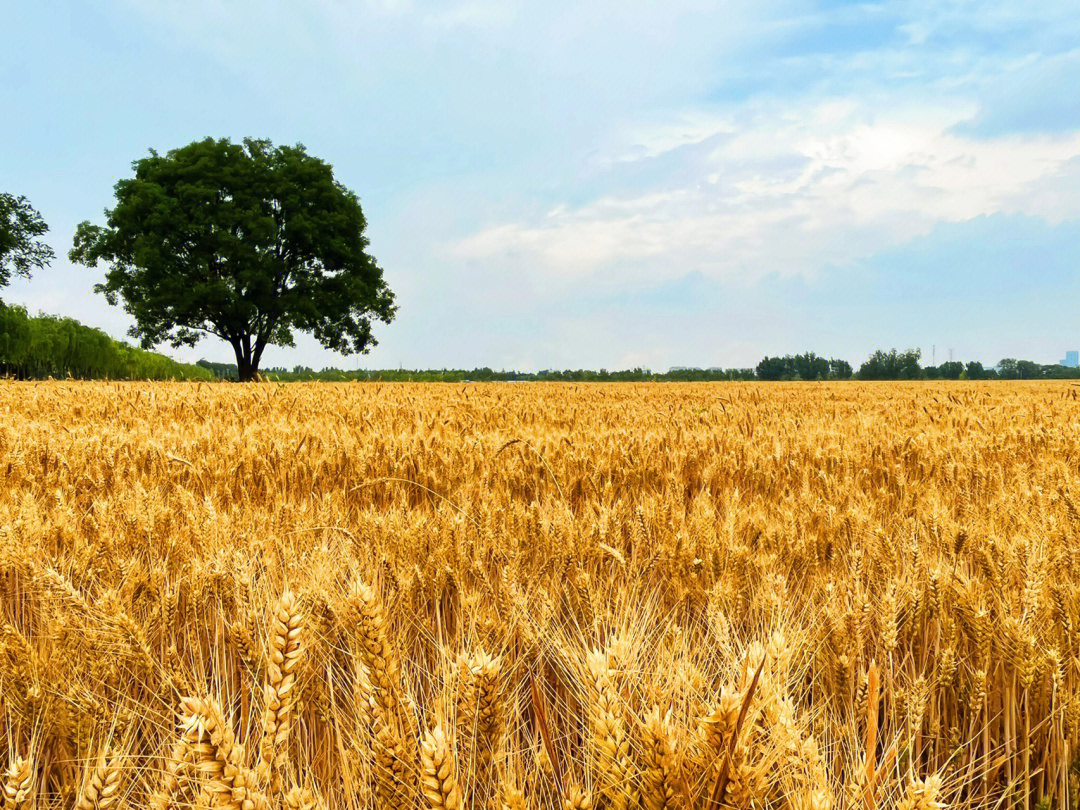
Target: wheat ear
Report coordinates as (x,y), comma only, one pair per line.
(18,782)
(922,794)
(479,716)
(102,785)
(611,745)
(577,799)
(394,760)
(376,651)
(438,772)
(513,799)
(661,772)
(302,799)
(219,758)
(279,694)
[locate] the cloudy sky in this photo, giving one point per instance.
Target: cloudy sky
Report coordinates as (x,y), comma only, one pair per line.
(555,184)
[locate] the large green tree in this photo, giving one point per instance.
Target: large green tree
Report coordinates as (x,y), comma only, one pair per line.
(249,242)
(21,248)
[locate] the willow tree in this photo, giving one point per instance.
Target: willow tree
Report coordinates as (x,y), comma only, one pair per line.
(248,242)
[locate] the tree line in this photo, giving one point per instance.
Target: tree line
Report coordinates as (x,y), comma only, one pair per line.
(228,371)
(904,365)
(47,346)
(881,365)
(50,346)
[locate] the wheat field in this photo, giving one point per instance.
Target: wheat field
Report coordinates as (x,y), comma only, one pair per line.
(805,596)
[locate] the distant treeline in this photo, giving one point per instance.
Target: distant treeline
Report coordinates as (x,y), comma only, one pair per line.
(301,373)
(47,346)
(881,365)
(895,365)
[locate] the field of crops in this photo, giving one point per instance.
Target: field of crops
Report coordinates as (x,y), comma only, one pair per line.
(804,596)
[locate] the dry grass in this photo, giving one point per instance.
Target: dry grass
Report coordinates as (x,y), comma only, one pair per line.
(543,596)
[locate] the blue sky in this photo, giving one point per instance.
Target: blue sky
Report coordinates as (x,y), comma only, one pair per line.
(604,185)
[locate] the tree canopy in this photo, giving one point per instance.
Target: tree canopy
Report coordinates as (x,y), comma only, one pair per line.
(21,248)
(892,365)
(806,366)
(248,242)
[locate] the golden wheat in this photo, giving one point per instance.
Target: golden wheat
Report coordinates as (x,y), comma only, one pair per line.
(817,597)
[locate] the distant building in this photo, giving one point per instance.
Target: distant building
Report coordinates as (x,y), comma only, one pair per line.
(1072,360)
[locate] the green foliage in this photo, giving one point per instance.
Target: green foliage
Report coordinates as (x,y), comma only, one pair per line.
(975,371)
(1007,370)
(248,242)
(951,370)
(21,249)
(807,366)
(882,364)
(222,371)
(1012,369)
(47,346)
(303,373)
(892,365)
(839,370)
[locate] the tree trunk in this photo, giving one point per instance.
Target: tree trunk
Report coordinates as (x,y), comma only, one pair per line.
(247,367)
(245,371)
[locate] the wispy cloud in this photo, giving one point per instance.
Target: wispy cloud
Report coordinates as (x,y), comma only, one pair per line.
(793,191)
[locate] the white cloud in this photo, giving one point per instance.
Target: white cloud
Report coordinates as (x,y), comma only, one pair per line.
(791,194)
